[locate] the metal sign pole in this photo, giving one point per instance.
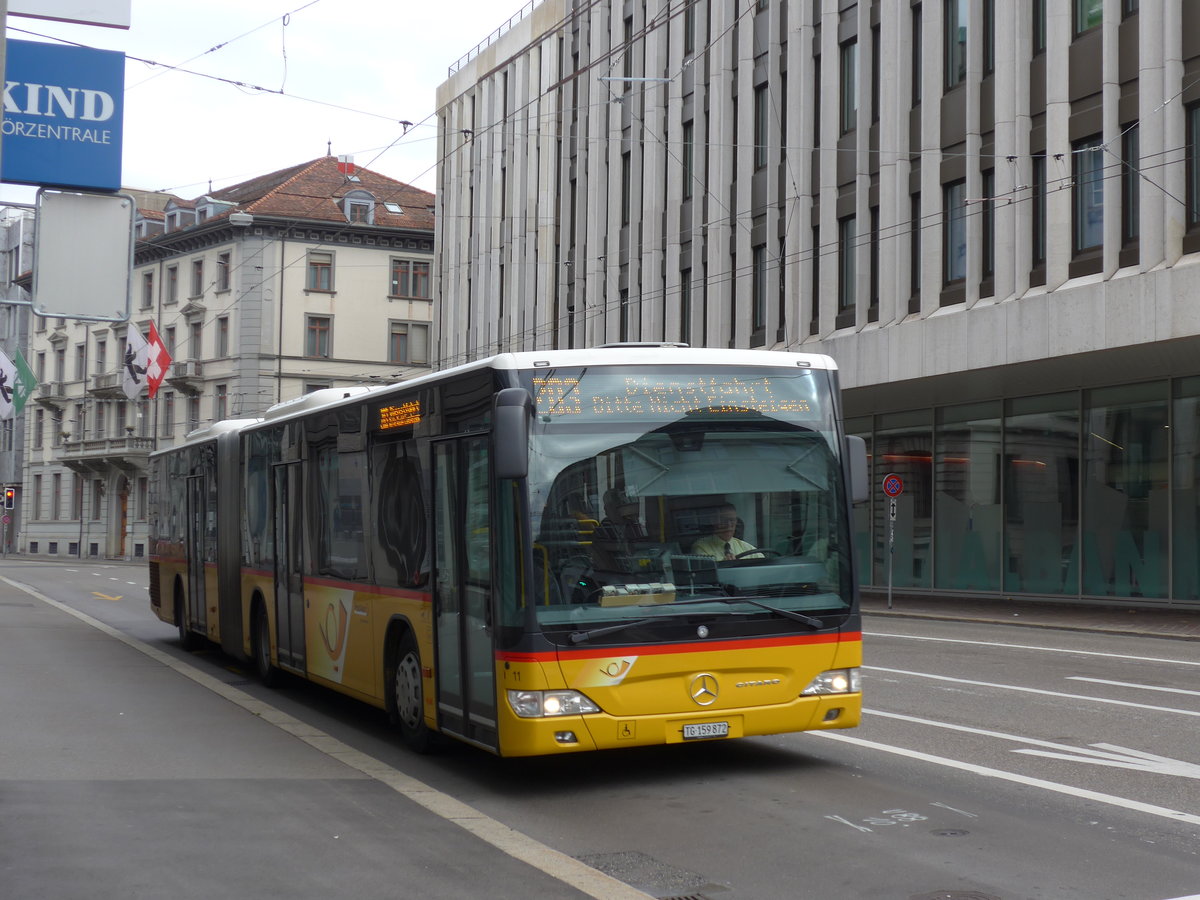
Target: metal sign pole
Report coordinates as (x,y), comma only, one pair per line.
(893,487)
(891,545)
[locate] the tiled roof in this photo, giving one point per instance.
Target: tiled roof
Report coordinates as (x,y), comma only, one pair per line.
(313,191)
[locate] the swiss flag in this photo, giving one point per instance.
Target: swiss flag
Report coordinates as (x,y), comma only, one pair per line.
(158,362)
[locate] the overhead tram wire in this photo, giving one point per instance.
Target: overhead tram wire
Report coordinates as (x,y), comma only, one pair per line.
(224,44)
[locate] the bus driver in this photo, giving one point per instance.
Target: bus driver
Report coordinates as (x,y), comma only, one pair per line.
(722,544)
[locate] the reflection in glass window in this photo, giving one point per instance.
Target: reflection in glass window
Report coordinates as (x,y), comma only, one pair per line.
(967,511)
(1088,171)
(847,288)
(955,231)
(1192,118)
(849,93)
(1185,489)
(1131,180)
(904,446)
(1125,491)
(1088,14)
(956,42)
(1041,486)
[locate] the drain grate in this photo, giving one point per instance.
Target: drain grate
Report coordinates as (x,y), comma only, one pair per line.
(653,876)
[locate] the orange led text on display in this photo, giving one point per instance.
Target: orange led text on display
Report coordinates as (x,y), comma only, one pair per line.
(400,415)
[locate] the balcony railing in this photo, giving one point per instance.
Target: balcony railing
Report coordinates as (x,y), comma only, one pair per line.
(187,376)
(102,454)
(494,36)
(51,392)
(107,385)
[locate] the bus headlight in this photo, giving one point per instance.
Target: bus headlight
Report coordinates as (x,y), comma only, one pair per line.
(537,704)
(835,681)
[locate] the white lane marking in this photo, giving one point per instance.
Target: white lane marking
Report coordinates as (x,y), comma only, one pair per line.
(1129,684)
(1103,755)
(1124,758)
(1107,750)
(987,772)
(1029,690)
(508,840)
(1061,651)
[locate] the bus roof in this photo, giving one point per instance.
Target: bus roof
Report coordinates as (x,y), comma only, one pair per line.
(625,354)
(657,354)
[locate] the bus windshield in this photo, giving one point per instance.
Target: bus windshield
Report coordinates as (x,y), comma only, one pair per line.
(678,495)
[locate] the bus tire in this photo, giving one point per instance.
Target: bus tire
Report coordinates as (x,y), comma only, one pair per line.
(260,645)
(406,694)
(187,639)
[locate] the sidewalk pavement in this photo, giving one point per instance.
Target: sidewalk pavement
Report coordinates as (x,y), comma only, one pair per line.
(1111,618)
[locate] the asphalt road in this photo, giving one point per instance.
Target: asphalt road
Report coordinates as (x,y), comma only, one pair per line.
(993,762)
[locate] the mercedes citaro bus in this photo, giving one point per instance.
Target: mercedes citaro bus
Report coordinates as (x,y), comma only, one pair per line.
(540,552)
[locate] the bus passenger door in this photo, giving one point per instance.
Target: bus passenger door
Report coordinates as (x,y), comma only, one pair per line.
(194,611)
(466,677)
(289,561)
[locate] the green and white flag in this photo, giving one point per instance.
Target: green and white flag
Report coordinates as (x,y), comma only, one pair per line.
(16,385)
(24,385)
(8,380)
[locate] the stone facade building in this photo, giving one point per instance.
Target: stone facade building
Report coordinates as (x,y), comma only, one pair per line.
(315,276)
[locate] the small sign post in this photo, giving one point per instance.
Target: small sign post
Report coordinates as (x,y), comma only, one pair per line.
(893,487)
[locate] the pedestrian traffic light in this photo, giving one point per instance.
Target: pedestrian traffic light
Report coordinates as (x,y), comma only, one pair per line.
(10,498)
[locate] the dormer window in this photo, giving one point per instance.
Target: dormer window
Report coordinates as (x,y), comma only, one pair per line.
(359,207)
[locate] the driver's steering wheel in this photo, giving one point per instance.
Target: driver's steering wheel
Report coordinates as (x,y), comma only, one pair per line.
(759,550)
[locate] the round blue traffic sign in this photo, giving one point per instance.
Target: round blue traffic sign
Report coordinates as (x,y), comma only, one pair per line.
(893,485)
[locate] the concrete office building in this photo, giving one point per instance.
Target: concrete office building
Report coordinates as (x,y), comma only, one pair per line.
(986,212)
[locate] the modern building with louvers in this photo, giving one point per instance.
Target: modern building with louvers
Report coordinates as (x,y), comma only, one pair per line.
(311,277)
(988,213)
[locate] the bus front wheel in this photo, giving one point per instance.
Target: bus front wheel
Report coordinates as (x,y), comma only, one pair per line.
(408,695)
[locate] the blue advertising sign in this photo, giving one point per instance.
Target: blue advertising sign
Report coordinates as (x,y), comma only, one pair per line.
(63,115)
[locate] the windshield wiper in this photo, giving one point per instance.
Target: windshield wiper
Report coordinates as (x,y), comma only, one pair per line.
(786,613)
(578,637)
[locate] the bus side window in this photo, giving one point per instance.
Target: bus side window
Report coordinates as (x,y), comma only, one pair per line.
(399,511)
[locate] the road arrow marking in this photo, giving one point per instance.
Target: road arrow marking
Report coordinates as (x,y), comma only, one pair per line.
(1122,758)
(1103,755)
(100,596)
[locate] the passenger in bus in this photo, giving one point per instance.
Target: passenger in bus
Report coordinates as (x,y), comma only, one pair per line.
(723,544)
(621,522)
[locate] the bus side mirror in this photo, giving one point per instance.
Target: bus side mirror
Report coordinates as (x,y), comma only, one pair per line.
(510,432)
(856,459)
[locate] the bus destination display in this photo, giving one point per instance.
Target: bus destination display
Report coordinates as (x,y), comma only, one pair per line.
(636,396)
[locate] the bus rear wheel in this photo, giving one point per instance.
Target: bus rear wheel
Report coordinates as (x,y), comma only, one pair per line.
(187,640)
(408,695)
(267,673)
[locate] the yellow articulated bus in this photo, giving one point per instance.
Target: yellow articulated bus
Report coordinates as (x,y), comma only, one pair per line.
(536,553)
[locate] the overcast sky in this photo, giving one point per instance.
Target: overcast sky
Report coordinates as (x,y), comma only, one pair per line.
(381,61)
